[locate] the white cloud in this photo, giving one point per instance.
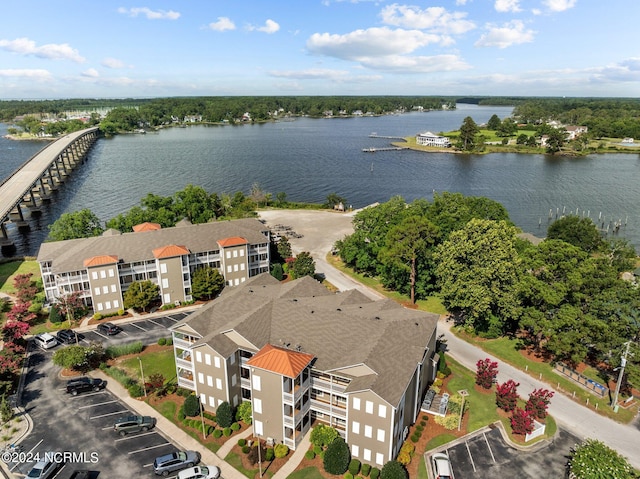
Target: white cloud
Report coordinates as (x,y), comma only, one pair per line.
(112,63)
(311,74)
(371,42)
(31,74)
(269,27)
(559,5)
(416,64)
(150,14)
(507,6)
(431,18)
(91,73)
(223,23)
(51,51)
(624,71)
(461,2)
(511,33)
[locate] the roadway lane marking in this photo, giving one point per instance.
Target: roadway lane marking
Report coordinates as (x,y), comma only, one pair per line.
(98,404)
(150,447)
(470,456)
(139,327)
(136,436)
(102,391)
(101,335)
(29,453)
(109,414)
(59,471)
(489,446)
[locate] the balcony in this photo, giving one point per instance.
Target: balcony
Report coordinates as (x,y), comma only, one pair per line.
(326,408)
(186,383)
(184,361)
(325,384)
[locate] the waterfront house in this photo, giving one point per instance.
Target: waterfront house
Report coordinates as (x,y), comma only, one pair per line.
(574,132)
(429,139)
(102,268)
(300,353)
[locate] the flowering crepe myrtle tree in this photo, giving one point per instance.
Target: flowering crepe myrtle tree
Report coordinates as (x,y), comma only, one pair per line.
(522,421)
(486,372)
(507,395)
(538,402)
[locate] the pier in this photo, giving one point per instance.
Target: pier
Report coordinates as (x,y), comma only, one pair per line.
(375,135)
(387,148)
(31,185)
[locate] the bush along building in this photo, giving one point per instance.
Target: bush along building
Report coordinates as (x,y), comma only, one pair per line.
(301,354)
(102,268)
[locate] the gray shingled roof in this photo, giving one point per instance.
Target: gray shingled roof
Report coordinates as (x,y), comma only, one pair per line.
(69,255)
(338,330)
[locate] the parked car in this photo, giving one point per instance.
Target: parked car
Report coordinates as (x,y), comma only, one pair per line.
(84,384)
(128,424)
(42,470)
(69,336)
(45,341)
(200,472)
(109,329)
(81,474)
(441,466)
(175,461)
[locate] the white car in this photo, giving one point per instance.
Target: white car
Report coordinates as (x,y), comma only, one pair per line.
(46,341)
(441,466)
(200,472)
(42,470)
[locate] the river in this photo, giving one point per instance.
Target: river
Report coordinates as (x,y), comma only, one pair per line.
(311,158)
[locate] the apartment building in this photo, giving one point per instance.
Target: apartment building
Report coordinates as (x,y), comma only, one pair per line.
(301,354)
(102,268)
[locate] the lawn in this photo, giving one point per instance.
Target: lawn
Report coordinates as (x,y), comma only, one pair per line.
(12,268)
(306,473)
(152,363)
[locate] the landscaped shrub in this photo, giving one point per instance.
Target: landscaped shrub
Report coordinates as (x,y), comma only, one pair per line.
(162,342)
(404,458)
(521,421)
(538,402)
(120,376)
(243,413)
(242,442)
(208,415)
(270,454)
(449,422)
(366,469)
(281,450)
(486,372)
(323,435)
(415,438)
(169,342)
(210,429)
(118,350)
(419,428)
(183,392)
(54,315)
(181,415)
(135,390)
(423,423)
(217,433)
(224,414)
(393,470)
(317,449)
(348,475)
(246,449)
(336,457)
(354,466)
(375,473)
(310,455)
(191,405)
(235,426)
(507,395)
(226,431)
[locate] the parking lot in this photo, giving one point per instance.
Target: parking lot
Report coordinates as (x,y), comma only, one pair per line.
(83,424)
(486,454)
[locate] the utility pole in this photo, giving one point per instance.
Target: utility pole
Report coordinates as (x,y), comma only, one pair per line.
(623,363)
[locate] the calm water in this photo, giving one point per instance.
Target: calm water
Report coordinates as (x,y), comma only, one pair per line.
(311,158)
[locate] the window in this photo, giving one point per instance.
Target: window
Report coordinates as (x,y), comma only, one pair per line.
(103,274)
(235,267)
(228,254)
(94,275)
(242,267)
(382,410)
(219,383)
(381,435)
(203,399)
(96,291)
(255,382)
(257,405)
(367,455)
(241,252)
(257,428)
(99,306)
(234,380)
(355,427)
(116,303)
(166,298)
(235,254)
(163,268)
(229,269)
(207,359)
(356,404)
(201,378)
(111,273)
(212,401)
(216,362)
(232,359)
(355,450)
(199,356)
(107,305)
(369,407)
(113,288)
(236,282)
(210,381)
(368,431)
(379,459)
(105,290)
(165,283)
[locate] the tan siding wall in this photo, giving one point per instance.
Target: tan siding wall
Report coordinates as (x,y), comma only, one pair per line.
(369,423)
(235,264)
(105,289)
(171,282)
(211,379)
(270,395)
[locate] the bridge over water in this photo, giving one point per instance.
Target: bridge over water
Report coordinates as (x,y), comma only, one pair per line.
(31,185)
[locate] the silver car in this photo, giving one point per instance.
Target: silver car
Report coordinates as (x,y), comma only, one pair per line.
(175,461)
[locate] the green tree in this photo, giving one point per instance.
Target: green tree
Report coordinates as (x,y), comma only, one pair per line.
(304,265)
(594,460)
(195,204)
(191,405)
(323,435)
(580,232)
(393,470)
(284,248)
(72,357)
(244,412)
(556,139)
(206,283)
(494,122)
(468,132)
(478,269)
(224,414)
(337,457)
(507,127)
(6,411)
(333,200)
(407,242)
(81,224)
(140,295)
(277,272)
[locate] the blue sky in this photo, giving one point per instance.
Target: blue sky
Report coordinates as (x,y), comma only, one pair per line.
(106,49)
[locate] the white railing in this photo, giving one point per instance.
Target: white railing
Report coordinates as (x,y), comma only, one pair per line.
(186,383)
(181,343)
(183,363)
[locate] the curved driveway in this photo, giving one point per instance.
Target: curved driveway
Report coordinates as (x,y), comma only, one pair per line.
(321,229)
